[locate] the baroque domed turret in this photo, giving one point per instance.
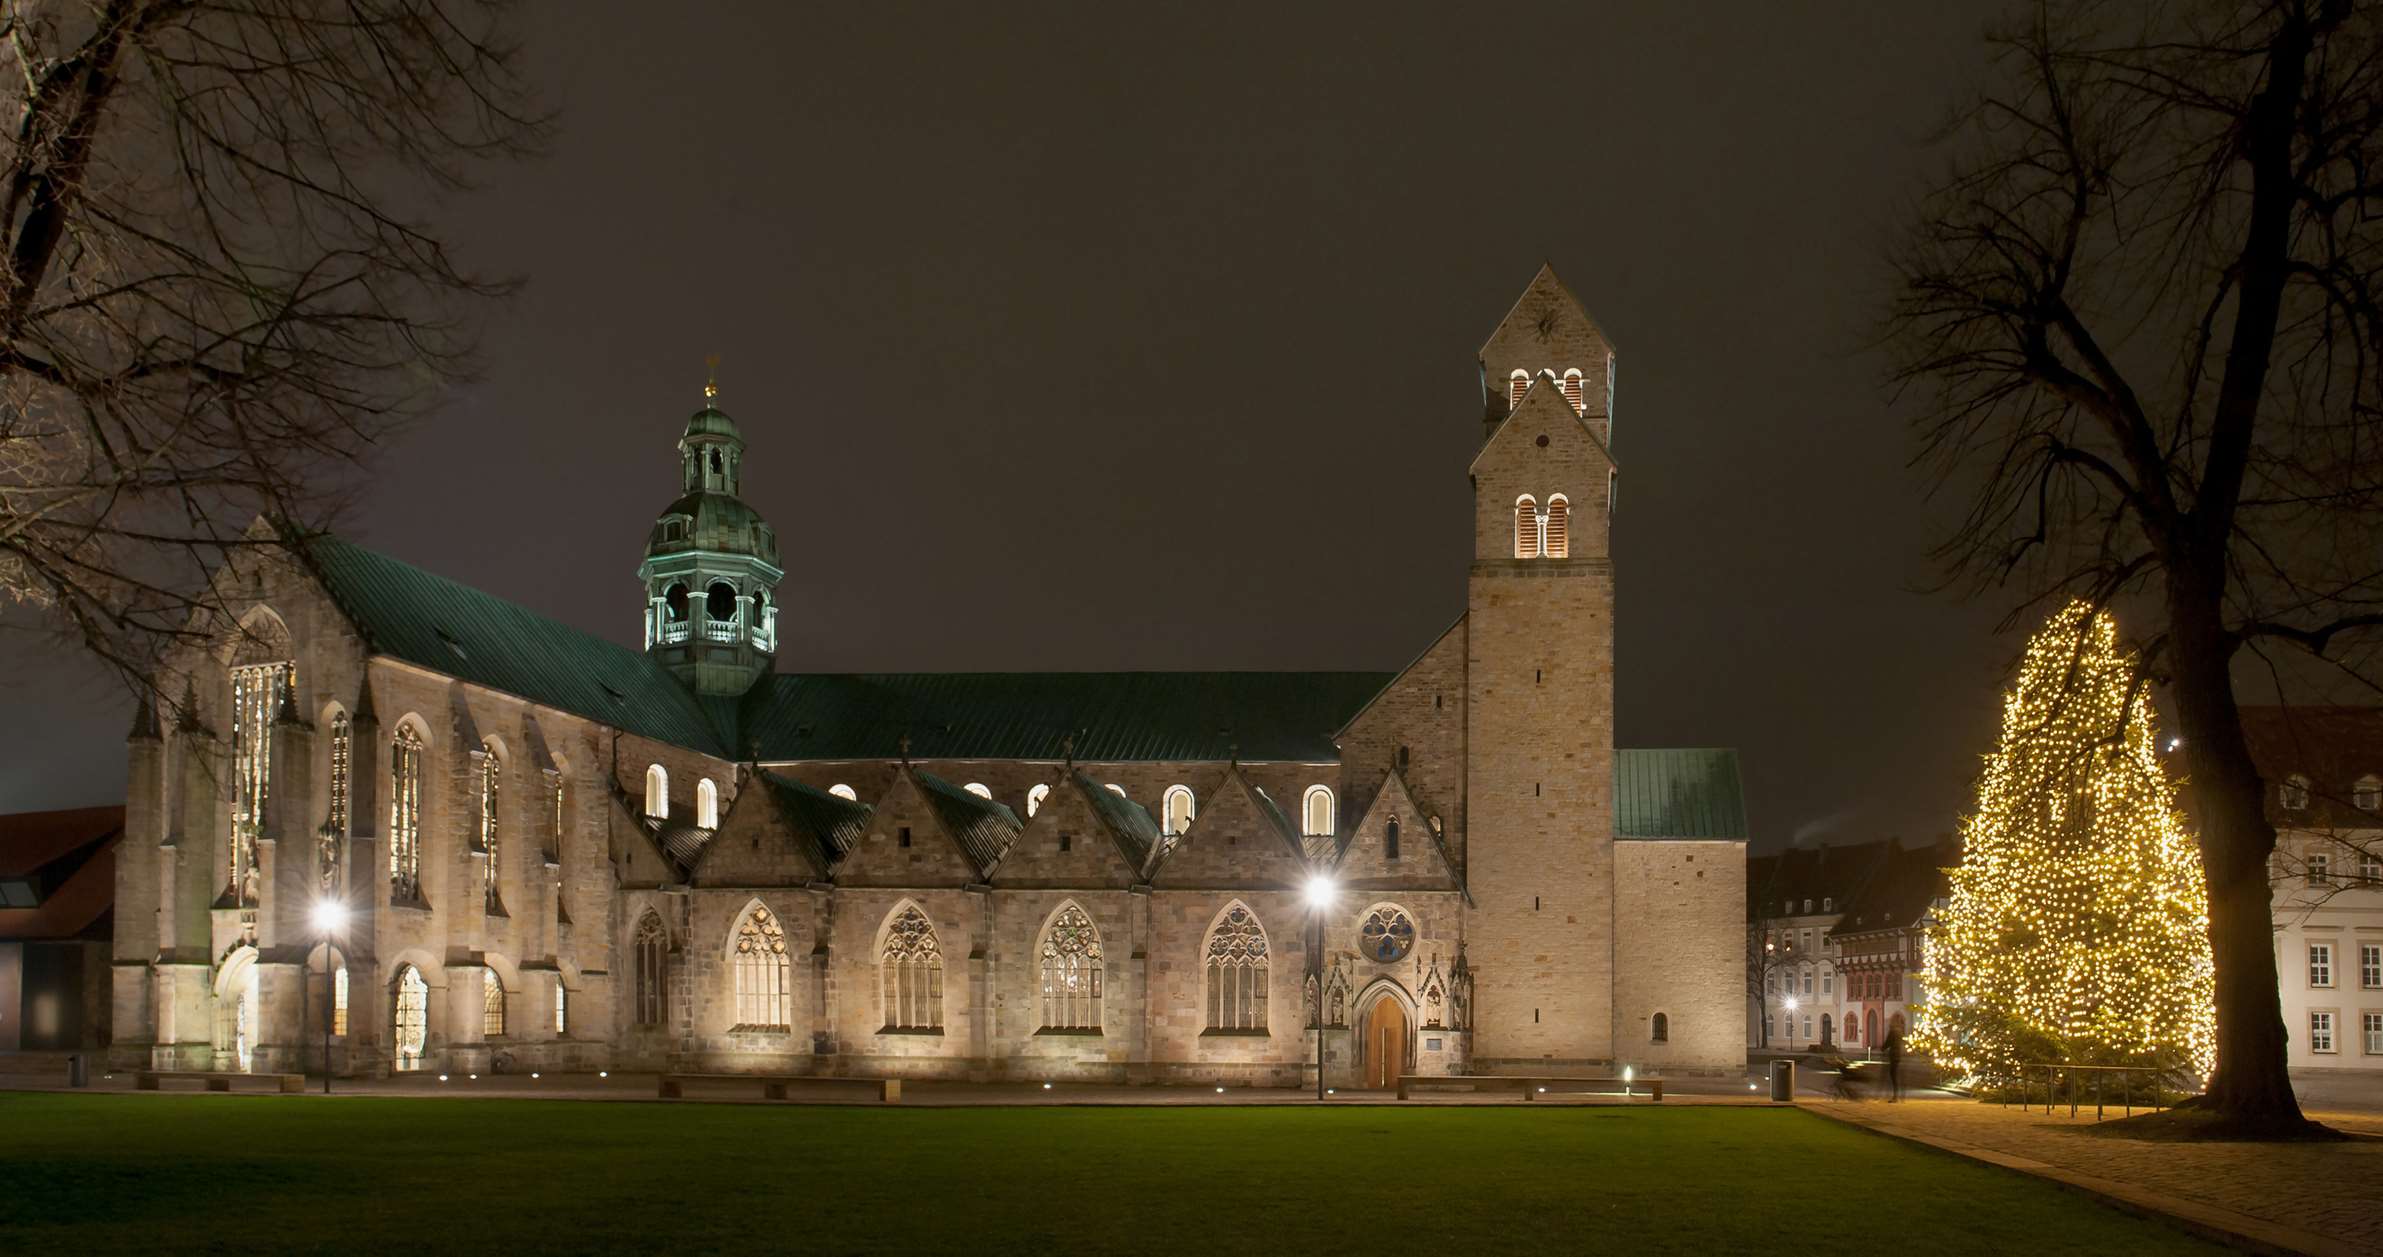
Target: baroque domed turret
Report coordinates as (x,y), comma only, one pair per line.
(711,566)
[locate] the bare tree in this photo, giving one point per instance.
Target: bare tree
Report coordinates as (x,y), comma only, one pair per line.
(2140,317)
(221,284)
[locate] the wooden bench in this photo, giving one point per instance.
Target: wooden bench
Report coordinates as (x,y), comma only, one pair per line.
(773,1086)
(216,1079)
(1530,1085)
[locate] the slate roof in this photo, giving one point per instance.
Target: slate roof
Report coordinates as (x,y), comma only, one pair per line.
(834,823)
(1691,793)
(1832,873)
(2331,746)
(1905,884)
(984,828)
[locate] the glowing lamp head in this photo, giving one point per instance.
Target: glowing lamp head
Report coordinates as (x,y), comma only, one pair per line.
(330,914)
(1791,1004)
(1320,891)
(1628,1073)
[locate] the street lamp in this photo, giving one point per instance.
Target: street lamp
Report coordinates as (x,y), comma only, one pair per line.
(1320,892)
(330,915)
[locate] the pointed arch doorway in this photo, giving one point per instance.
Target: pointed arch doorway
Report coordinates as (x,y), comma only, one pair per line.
(1386,1035)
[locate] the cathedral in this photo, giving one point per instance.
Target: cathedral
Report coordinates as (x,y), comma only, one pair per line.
(405,825)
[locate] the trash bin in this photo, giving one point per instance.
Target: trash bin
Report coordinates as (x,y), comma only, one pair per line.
(1783,1080)
(78,1070)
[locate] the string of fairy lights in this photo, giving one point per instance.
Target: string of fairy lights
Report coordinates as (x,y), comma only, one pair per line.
(2078,923)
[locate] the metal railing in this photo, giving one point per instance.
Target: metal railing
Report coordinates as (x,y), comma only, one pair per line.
(2124,1087)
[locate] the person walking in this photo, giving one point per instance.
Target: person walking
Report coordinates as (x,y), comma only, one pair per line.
(1895,1063)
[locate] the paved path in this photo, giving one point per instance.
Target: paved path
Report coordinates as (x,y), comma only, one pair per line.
(2324,1199)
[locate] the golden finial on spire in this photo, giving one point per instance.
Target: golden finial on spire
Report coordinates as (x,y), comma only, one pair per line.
(711,381)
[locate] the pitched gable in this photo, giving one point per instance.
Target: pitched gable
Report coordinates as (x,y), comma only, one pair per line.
(1541,450)
(757,845)
(981,828)
(1423,861)
(1098,850)
(1241,839)
(1548,330)
(932,857)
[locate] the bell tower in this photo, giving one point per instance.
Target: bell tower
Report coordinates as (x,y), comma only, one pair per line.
(711,565)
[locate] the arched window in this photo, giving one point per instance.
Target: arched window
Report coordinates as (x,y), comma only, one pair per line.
(1178,809)
(1390,839)
(719,602)
(674,603)
(657,791)
(1035,797)
(979,789)
(2295,793)
(492,771)
(1828,1030)
(1117,790)
(1660,1029)
(339,1000)
(842,791)
(1526,527)
(1236,968)
(1558,543)
(492,1005)
(1517,384)
(410,1017)
(1828,904)
(911,966)
(1315,811)
(764,976)
(332,842)
(1071,972)
(707,804)
(1572,392)
(405,815)
(261,671)
(651,955)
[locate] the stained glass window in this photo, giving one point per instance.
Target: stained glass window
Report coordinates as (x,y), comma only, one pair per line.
(405,815)
(1387,935)
(1071,972)
(763,976)
(652,953)
(256,694)
(912,969)
(492,1004)
(1237,972)
(412,1016)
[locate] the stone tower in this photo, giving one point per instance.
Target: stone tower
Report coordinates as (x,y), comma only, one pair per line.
(711,566)
(1539,788)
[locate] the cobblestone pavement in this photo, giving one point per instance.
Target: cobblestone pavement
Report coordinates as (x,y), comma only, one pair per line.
(2316,1198)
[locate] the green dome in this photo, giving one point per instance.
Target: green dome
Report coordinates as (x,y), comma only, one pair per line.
(712,421)
(714,522)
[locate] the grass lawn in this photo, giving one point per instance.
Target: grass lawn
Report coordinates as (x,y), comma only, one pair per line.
(257,1175)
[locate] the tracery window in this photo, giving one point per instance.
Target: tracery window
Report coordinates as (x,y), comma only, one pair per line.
(651,953)
(1178,809)
(1034,799)
(1236,967)
(492,773)
(1387,935)
(912,969)
(492,1005)
(657,791)
(1558,542)
(764,977)
(256,694)
(1071,972)
(405,814)
(1316,811)
(410,1017)
(1526,527)
(707,804)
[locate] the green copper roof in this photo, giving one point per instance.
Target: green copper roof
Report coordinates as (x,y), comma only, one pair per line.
(983,827)
(834,823)
(1678,794)
(1129,823)
(450,628)
(712,421)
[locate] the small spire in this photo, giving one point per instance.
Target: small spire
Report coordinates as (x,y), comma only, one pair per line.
(144,721)
(187,717)
(364,713)
(711,379)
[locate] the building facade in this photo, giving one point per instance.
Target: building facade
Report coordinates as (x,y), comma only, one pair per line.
(560,853)
(1833,943)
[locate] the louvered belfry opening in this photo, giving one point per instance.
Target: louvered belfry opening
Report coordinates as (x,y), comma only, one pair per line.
(1559,513)
(1526,527)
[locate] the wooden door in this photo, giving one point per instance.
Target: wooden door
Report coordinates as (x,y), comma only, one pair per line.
(1385,1045)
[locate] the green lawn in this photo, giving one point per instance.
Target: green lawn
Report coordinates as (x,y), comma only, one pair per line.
(255,1175)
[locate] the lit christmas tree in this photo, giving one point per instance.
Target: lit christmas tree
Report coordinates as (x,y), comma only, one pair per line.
(2078,928)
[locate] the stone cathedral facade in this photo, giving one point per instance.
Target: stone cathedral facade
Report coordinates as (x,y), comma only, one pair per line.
(556,852)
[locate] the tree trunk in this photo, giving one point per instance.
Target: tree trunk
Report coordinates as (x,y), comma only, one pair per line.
(2251,1090)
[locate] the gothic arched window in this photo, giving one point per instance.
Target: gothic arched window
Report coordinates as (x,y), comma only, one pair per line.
(261,671)
(492,775)
(410,1017)
(1071,972)
(405,815)
(1526,527)
(1558,542)
(707,804)
(1390,839)
(657,791)
(1236,972)
(1178,809)
(332,842)
(492,1005)
(1315,811)
(764,977)
(650,955)
(911,965)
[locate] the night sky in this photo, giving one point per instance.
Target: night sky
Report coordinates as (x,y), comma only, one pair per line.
(1088,338)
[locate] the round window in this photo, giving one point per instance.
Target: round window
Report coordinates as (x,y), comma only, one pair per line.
(1387,935)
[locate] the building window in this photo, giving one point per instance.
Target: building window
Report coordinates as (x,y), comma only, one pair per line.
(1807,1025)
(1558,543)
(562,1008)
(979,789)
(1526,527)
(492,770)
(2370,867)
(256,695)
(1390,839)
(1177,809)
(1807,906)
(558,810)
(2370,966)
(2295,793)
(1828,981)
(652,953)
(1517,384)
(2367,794)
(1572,392)
(2372,1024)
(1807,980)
(1828,904)
(1316,811)
(410,1017)
(2320,964)
(339,1000)
(405,815)
(842,791)
(2320,1032)
(1117,790)
(1034,799)
(1237,972)
(333,839)
(657,791)
(1660,1029)
(1386,936)
(1071,972)
(2320,868)
(707,804)
(763,976)
(492,1005)
(911,967)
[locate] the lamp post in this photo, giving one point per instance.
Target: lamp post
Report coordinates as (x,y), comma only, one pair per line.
(329,916)
(1320,891)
